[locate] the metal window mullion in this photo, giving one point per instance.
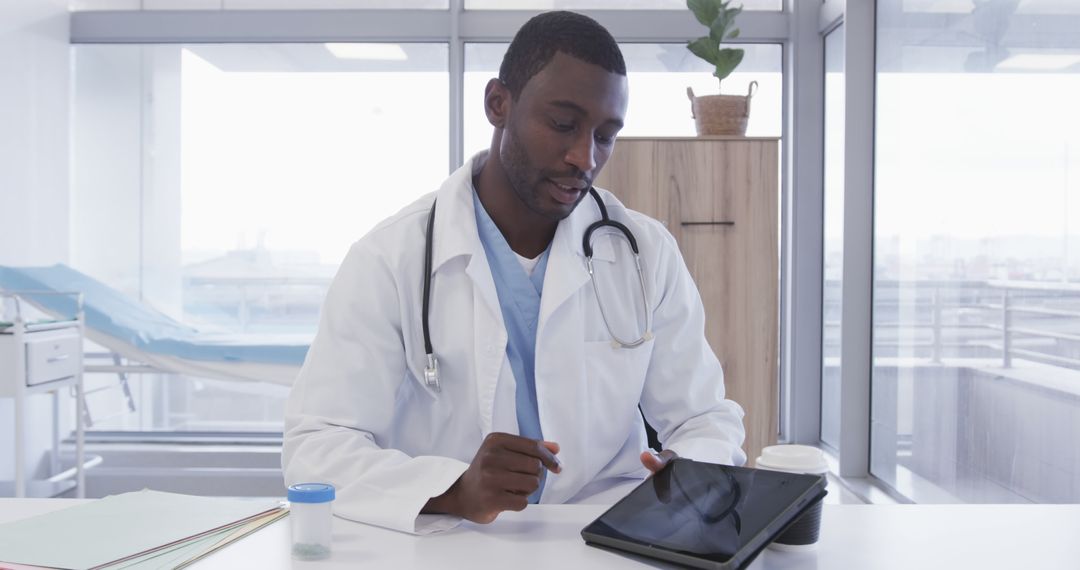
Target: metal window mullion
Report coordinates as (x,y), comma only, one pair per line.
(630,25)
(803,228)
(830,14)
(456,83)
(856,350)
(282,26)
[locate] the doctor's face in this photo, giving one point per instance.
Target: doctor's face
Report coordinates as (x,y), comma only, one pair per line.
(560,132)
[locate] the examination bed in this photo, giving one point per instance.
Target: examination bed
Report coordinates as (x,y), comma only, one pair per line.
(150,339)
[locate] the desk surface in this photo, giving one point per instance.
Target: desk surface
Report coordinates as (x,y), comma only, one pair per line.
(546,537)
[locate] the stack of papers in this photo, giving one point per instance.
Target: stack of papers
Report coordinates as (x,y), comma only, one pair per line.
(143,530)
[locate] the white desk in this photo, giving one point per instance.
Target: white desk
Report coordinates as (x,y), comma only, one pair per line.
(546,537)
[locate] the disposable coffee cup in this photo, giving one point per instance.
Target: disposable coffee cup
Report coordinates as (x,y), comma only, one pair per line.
(803,533)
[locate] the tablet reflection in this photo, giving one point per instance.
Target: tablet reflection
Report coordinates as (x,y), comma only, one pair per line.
(692,510)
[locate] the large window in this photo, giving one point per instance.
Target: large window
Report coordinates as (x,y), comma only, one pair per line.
(976,360)
(223,184)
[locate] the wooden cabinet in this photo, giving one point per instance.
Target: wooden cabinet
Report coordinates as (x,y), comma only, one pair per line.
(719,197)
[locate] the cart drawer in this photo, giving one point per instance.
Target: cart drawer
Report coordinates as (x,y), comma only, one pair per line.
(49,359)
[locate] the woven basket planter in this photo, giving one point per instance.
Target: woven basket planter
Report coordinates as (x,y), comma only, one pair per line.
(721,114)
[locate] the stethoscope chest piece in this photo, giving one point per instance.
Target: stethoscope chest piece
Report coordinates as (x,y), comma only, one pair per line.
(431,373)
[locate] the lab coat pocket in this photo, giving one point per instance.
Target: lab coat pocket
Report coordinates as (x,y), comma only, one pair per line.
(614,379)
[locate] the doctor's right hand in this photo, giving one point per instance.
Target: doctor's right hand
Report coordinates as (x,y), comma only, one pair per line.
(502,475)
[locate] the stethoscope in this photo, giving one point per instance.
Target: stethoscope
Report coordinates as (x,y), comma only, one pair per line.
(431,370)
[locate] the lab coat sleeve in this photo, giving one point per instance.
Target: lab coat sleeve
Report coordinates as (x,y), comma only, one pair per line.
(342,404)
(683,396)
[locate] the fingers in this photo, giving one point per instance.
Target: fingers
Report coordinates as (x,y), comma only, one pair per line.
(547,451)
(543,450)
(662,485)
(654,461)
(517,463)
(505,471)
(651,461)
(554,449)
(518,483)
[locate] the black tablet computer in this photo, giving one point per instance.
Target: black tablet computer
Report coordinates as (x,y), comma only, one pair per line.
(705,515)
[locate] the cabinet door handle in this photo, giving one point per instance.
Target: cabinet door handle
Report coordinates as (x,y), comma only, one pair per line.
(55,359)
(717,223)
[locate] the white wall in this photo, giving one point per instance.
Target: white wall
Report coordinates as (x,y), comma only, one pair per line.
(34,201)
(33,131)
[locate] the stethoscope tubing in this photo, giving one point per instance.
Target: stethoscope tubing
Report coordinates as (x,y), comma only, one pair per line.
(431,368)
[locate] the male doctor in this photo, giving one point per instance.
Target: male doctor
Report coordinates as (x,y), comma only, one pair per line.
(535,402)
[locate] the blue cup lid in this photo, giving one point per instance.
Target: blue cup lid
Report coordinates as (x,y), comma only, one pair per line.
(311,493)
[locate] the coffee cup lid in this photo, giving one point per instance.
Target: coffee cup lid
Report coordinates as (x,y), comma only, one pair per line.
(794,458)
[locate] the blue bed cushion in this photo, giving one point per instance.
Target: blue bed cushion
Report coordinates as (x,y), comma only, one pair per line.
(112,313)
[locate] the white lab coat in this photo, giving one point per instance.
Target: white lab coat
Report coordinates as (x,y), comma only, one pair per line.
(360,416)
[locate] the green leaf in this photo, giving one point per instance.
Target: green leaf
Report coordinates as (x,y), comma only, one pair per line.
(719,28)
(726,61)
(734,34)
(706,49)
(704,10)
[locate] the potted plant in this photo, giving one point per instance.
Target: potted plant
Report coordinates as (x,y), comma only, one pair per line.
(718,114)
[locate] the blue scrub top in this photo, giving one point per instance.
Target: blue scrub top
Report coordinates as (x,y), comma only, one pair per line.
(519,299)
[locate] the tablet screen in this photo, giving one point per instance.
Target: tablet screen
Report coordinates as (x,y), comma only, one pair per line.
(706,510)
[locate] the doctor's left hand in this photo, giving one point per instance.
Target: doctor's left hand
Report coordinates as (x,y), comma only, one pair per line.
(656,461)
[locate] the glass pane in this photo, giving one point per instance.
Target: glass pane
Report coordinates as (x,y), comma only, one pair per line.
(775,5)
(335,4)
(1055,7)
(976,265)
(833,247)
(658,75)
(90,5)
(223,184)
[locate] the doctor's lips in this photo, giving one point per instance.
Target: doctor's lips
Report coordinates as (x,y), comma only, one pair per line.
(568,190)
(571,182)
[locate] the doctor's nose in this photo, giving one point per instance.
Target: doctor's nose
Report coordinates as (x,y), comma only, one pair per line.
(582,155)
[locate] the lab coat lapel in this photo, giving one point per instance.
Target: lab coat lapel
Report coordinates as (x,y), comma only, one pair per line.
(456,235)
(566,266)
(489,339)
(561,384)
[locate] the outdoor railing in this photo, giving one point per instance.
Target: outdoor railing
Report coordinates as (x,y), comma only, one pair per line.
(1037,321)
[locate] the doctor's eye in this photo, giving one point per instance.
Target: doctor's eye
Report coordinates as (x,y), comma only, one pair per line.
(605,140)
(561,126)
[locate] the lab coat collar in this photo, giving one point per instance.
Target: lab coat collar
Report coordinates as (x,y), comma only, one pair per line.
(455,221)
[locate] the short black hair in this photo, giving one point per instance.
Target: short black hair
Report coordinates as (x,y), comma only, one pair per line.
(544,35)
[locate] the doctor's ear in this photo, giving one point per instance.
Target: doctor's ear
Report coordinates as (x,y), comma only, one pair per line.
(497,101)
